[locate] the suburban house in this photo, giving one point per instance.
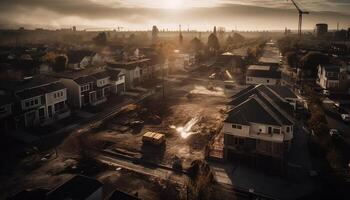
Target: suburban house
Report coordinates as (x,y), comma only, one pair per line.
(135,70)
(78,188)
(230,62)
(258,129)
(6,113)
(333,77)
(261,74)
(91,86)
(38,101)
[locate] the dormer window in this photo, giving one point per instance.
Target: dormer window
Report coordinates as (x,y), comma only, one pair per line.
(236,126)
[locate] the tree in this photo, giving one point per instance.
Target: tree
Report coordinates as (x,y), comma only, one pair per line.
(292,59)
(311,60)
(100,39)
(213,43)
(196,44)
(201,178)
(155,32)
(61,62)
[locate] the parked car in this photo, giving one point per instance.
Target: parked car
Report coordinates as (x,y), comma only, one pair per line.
(345,117)
(326,92)
(334,133)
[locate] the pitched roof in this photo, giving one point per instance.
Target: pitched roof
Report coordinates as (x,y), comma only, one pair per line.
(252,110)
(128,65)
(84,76)
(283,91)
(78,187)
(263,72)
(273,101)
(33,92)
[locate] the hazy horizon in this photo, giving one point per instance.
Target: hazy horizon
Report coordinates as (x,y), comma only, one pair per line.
(200,15)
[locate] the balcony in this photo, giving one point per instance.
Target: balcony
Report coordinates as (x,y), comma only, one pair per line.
(269,137)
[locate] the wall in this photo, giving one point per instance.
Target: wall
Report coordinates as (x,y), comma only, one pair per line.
(257,80)
(73,92)
(227,129)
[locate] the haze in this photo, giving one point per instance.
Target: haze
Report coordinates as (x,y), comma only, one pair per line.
(167,14)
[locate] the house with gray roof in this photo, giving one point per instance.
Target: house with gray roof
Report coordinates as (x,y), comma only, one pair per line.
(37,100)
(263,74)
(259,124)
(91,86)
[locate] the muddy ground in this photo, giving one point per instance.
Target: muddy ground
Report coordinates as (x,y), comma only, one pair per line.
(185,100)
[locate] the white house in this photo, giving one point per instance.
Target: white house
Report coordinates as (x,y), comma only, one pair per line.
(135,71)
(267,75)
(335,78)
(259,126)
(40,101)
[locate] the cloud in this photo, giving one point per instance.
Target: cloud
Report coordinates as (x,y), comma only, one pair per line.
(259,15)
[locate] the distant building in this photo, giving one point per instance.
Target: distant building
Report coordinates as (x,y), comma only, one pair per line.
(271,55)
(321,29)
(267,75)
(259,127)
(340,35)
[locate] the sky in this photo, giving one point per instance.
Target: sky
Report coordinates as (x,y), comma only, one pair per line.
(168,14)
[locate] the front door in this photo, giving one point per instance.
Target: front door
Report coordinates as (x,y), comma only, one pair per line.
(49,109)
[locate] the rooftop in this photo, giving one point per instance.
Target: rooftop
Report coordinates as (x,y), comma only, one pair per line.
(77,188)
(272,99)
(259,67)
(129,64)
(263,72)
(33,92)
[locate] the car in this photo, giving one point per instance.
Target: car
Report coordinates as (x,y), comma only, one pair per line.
(345,117)
(326,92)
(334,133)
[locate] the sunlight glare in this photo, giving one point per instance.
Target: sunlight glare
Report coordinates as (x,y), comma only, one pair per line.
(173,4)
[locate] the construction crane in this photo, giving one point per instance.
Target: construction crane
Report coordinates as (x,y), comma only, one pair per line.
(301,13)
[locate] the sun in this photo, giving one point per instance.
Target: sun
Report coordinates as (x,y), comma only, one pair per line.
(173,4)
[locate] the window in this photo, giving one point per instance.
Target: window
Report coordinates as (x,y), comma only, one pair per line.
(36,101)
(235,126)
(55,95)
(288,129)
(85,88)
(267,81)
(27,103)
(276,131)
